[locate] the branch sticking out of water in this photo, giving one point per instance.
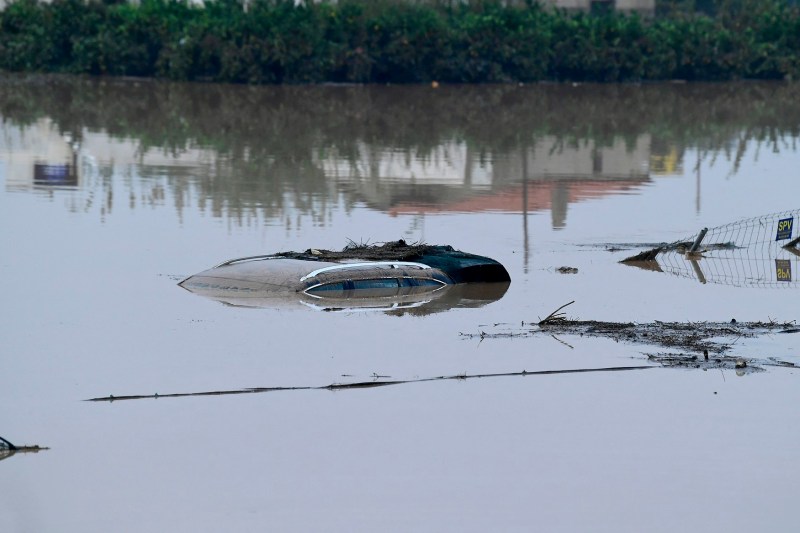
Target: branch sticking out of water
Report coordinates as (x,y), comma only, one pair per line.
(555,316)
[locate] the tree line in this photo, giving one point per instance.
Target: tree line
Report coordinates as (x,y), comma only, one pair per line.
(395,41)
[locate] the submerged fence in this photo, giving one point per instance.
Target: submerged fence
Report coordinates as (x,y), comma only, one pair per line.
(756,252)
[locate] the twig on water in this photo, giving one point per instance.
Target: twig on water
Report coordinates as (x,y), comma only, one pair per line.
(568,345)
(555,316)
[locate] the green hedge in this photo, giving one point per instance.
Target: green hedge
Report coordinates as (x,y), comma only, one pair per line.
(396,41)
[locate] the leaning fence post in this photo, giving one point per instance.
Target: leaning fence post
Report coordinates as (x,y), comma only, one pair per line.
(697,241)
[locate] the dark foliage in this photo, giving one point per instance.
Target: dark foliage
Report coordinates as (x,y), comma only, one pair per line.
(395,41)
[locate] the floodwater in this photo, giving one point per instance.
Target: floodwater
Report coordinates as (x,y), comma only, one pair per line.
(113,191)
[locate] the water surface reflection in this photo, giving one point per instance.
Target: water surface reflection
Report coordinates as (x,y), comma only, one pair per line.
(113,190)
(294,155)
(471,295)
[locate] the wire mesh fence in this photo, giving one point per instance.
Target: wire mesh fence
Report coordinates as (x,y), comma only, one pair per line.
(755,252)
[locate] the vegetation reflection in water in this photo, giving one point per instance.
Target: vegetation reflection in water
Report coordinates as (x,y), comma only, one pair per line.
(268,152)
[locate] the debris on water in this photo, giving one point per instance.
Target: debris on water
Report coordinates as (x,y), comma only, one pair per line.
(774,361)
(711,339)
(695,337)
(680,360)
(681,247)
(655,361)
(398,250)
(554,317)
(374,384)
(646,256)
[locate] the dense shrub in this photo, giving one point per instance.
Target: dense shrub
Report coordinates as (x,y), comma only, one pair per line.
(399,41)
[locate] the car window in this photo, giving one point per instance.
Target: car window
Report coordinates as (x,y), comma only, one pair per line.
(361,284)
(336,286)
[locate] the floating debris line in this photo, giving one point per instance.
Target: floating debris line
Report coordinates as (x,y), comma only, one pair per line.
(673,334)
(698,337)
(695,337)
(371,384)
(740,365)
(706,342)
(664,360)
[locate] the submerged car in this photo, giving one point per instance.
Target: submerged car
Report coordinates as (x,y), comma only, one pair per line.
(390,276)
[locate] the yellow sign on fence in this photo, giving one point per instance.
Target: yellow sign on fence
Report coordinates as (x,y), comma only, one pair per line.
(784,229)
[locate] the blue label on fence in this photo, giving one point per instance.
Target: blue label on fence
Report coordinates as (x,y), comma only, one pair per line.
(784,229)
(783,269)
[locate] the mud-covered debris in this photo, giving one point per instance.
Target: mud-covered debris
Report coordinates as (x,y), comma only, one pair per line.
(680,247)
(649,265)
(647,255)
(398,250)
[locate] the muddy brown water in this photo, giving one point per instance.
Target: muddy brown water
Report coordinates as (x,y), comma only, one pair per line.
(113,191)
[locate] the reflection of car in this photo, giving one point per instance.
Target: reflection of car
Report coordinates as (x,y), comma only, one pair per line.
(392,276)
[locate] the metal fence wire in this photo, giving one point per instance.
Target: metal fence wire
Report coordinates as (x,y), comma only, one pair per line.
(755,252)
